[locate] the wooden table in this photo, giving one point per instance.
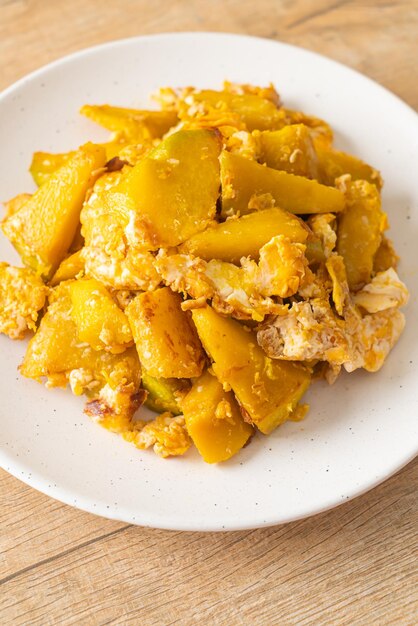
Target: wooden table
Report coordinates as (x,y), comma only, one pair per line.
(353,565)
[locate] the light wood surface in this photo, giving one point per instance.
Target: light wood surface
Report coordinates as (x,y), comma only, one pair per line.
(354,565)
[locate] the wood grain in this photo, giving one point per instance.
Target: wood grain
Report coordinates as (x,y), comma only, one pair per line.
(378,37)
(353,565)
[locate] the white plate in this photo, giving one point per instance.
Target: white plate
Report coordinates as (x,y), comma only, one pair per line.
(358,432)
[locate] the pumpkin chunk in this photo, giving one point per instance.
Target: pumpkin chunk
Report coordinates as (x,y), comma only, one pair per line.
(171,194)
(290,149)
(99,320)
(214,421)
(44,228)
(164,335)
(57,353)
(321,132)
(14,204)
(164,393)
(245,184)
(359,232)
(385,256)
(236,238)
(267,390)
(254,112)
(334,163)
(71,267)
(44,164)
(133,124)
(107,253)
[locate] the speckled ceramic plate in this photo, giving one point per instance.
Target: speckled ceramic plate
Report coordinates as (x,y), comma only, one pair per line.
(358,432)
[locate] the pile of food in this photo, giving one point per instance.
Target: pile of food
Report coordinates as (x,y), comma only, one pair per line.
(210,261)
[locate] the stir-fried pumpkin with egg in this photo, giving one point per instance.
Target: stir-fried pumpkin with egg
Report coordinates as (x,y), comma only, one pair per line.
(209,261)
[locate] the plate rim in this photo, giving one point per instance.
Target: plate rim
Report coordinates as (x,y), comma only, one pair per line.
(14,467)
(203,33)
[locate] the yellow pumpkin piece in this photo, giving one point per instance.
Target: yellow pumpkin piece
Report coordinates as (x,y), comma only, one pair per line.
(290,149)
(267,390)
(99,320)
(164,393)
(267,93)
(78,241)
(243,180)
(107,253)
(165,337)
(22,296)
(71,267)
(254,112)
(244,236)
(214,421)
(134,124)
(333,164)
(45,163)
(314,249)
(16,203)
(56,352)
(385,256)
(336,270)
(171,194)
(321,132)
(359,231)
(43,229)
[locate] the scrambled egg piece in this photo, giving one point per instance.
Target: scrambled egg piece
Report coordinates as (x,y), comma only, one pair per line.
(167,98)
(167,435)
(306,331)
(114,407)
(315,284)
(223,283)
(244,292)
(22,296)
(108,253)
(223,411)
(372,338)
(281,268)
(243,143)
(384,291)
(310,330)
